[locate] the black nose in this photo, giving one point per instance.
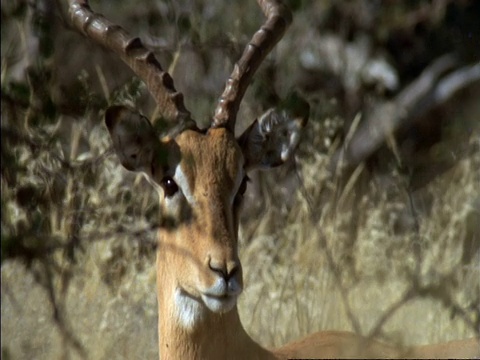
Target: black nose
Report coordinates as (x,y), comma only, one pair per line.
(226,271)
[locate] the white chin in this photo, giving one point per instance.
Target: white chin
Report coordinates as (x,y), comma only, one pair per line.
(219,305)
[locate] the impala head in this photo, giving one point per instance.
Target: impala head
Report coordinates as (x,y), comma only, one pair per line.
(200,175)
(200,178)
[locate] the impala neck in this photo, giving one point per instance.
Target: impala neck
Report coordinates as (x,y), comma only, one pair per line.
(213,336)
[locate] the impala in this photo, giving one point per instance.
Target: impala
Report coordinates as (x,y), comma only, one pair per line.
(200,176)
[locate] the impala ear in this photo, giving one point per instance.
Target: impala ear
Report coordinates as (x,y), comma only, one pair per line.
(134,140)
(271,140)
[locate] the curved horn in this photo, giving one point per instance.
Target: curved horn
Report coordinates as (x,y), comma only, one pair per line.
(278,19)
(132,51)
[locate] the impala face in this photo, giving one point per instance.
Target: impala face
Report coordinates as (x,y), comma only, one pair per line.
(200,177)
(201,192)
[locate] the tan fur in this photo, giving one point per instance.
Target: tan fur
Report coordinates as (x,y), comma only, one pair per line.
(465,349)
(213,165)
(342,344)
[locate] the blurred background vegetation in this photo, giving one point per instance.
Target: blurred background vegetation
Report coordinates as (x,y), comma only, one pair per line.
(373,227)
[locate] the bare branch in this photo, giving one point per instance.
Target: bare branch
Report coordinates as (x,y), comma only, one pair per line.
(278,19)
(132,51)
(431,89)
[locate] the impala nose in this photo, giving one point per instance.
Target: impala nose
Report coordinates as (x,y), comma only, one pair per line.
(227,270)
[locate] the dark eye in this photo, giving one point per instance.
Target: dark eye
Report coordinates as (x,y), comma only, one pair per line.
(243,186)
(169,186)
(241,190)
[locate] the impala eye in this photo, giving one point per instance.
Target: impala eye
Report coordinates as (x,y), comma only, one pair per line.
(243,186)
(169,186)
(241,191)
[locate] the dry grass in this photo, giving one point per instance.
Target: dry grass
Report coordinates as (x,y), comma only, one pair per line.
(345,260)
(290,288)
(300,292)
